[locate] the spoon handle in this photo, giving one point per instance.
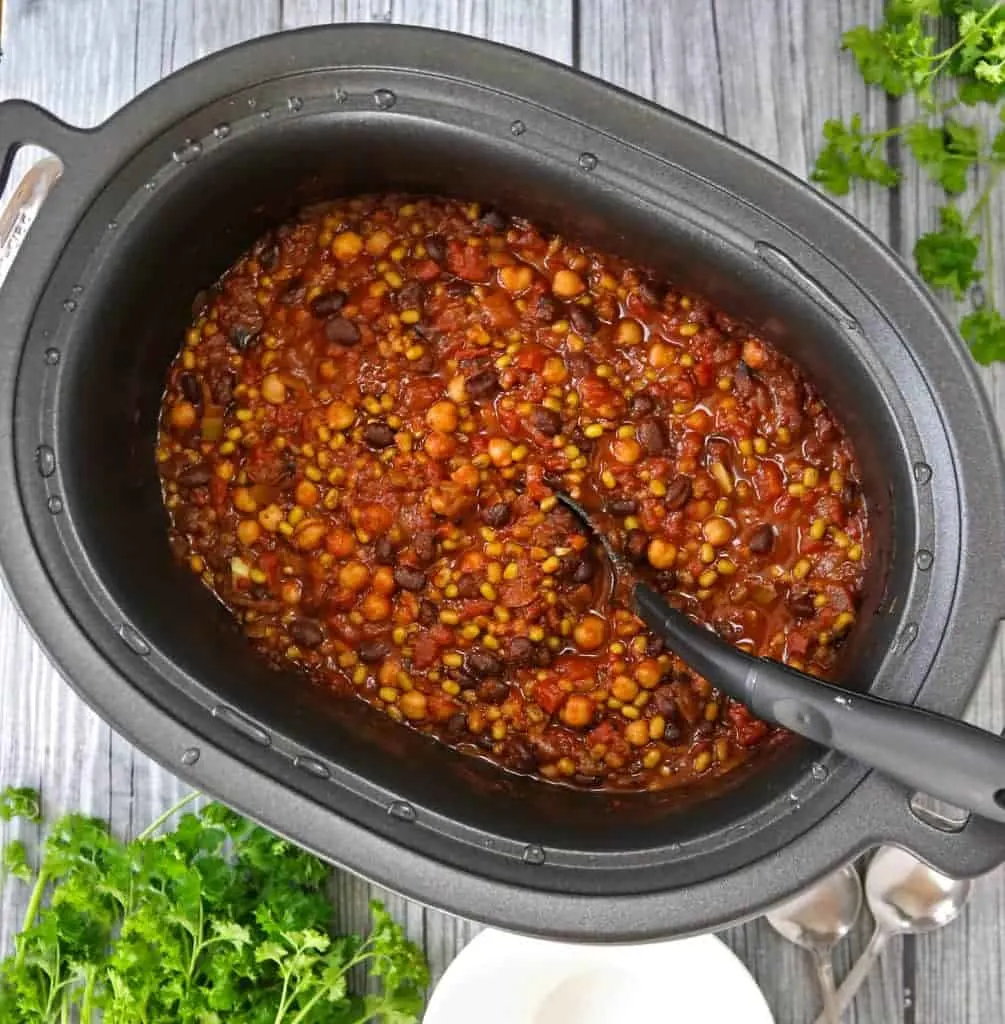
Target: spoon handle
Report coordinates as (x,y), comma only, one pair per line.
(941,756)
(857,975)
(825,975)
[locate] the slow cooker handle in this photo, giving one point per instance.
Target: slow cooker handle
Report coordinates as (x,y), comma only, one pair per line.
(21,124)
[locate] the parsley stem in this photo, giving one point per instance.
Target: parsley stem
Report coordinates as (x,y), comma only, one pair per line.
(157,822)
(31,913)
(985,196)
(989,257)
(85,1006)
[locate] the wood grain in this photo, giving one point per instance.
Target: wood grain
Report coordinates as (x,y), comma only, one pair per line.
(767,73)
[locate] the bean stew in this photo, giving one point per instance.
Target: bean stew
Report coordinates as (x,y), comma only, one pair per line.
(358,446)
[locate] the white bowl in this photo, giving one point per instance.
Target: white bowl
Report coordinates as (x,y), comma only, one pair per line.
(500,978)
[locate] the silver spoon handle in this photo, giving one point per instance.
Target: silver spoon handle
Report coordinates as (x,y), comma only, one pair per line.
(853,980)
(825,976)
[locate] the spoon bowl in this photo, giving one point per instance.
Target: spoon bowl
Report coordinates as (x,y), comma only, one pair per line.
(907,896)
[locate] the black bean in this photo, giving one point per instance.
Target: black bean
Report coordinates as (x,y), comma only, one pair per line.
(704,729)
(542,657)
(190,387)
(187,519)
(481,663)
(424,545)
(642,405)
(468,587)
(436,248)
(456,724)
(652,293)
(548,309)
(654,646)
(520,650)
(664,701)
(492,691)
(518,755)
(328,303)
(429,614)
(671,733)
(585,567)
(195,476)
(493,220)
(587,781)
(269,257)
(410,295)
(762,540)
(223,388)
(653,436)
(341,331)
(621,507)
(372,651)
(306,633)
(426,363)
(202,300)
(383,551)
(802,605)
(678,492)
(242,337)
(293,292)
(408,578)
(584,321)
(482,384)
(458,289)
(498,514)
(378,435)
(546,421)
(636,545)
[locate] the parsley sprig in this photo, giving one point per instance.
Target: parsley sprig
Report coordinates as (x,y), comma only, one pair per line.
(902,56)
(216,920)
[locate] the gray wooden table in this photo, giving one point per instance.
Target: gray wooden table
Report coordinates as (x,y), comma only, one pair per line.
(765,72)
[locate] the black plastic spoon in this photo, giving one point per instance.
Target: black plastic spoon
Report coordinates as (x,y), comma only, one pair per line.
(925,751)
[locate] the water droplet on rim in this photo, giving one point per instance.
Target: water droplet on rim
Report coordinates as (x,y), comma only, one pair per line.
(252,102)
(190,756)
(55,504)
(150,185)
(77,289)
(341,96)
(587,161)
(45,458)
(517,128)
(265,114)
(402,811)
(384,98)
(112,225)
(69,305)
(221,131)
(922,472)
(294,103)
(533,855)
(132,639)
(188,152)
(52,356)
(924,559)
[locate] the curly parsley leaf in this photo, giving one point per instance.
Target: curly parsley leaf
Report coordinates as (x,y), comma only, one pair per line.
(947,258)
(851,154)
(984,331)
(947,153)
(20,802)
(15,861)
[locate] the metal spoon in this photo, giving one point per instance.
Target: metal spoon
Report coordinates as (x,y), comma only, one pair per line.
(940,756)
(906,897)
(818,919)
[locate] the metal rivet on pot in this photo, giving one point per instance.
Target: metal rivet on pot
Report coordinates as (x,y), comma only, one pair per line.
(924,559)
(517,128)
(55,505)
(45,459)
(150,185)
(294,103)
(533,855)
(265,114)
(402,811)
(69,305)
(587,161)
(907,637)
(112,225)
(312,767)
(243,725)
(132,639)
(187,152)
(190,756)
(221,131)
(922,472)
(51,356)
(384,98)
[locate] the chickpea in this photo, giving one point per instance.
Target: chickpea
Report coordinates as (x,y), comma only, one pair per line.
(248,531)
(661,356)
(624,689)
(567,284)
(753,354)
(383,580)
(354,576)
(661,553)
(310,534)
(501,451)
(379,242)
(375,607)
(554,371)
(442,416)
(717,531)
(578,711)
(270,517)
(340,415)
(626,450)
(413,704)
(457,389)
(374,519)
(306,493)
(243,501)
(517,277)
(347,245)
(649,673)
(637,732)
(183,415)
(590,632)
(628,332)
(440,446)
(273,389)
(340,542)
(291,591)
